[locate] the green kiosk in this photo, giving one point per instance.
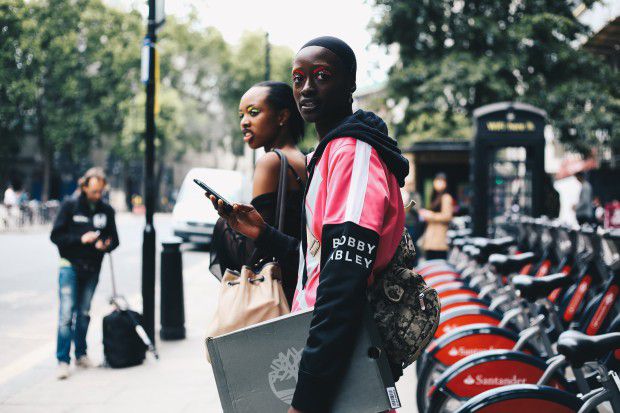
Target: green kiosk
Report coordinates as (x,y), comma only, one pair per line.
(507,163)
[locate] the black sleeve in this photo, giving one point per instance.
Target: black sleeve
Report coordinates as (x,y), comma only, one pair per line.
(61,233)
(274,243)
(348,253)
(112,232)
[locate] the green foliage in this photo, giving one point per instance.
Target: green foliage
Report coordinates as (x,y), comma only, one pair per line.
(69,76)
(17,92)
(68,66)
(457,55)
(190,67)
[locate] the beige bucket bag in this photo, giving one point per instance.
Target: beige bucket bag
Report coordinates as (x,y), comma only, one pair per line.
(248,298)
(254,294)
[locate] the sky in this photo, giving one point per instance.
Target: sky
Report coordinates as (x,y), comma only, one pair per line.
(292,24)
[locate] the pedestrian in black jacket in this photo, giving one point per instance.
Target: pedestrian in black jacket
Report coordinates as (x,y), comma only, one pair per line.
(84,231)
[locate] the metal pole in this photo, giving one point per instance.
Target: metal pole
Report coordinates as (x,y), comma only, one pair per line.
(148,244)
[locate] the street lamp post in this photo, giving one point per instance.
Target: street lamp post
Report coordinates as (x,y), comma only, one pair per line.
(155,19)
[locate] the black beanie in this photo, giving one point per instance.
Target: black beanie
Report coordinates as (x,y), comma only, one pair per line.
(340,49)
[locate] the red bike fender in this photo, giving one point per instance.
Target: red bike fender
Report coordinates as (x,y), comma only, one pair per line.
(462,304)
(431,267)
(444,283)
(457,291)
(491,374)
(472,344)
(462,320)
(522,405)
(605,305)
(441,278)
(544,268)
(556,293)
(577,298)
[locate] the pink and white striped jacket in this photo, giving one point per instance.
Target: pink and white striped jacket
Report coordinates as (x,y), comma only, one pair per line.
(350,184)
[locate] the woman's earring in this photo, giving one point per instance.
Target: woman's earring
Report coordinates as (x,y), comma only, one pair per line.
(281,124)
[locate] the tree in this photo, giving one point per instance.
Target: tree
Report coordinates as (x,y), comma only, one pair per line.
(457,55)
(70,66)
(16,92)
(70,78)
(190,116)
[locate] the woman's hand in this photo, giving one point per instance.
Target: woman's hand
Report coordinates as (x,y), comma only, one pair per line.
(425,214)
(244,218)
(294,410)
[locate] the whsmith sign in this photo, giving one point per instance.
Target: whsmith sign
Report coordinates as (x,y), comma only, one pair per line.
(502,126)
(508,118)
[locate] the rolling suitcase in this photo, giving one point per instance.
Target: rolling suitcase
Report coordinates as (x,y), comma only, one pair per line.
(124,340)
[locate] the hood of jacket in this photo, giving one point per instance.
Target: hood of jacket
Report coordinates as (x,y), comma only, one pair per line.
(369,128)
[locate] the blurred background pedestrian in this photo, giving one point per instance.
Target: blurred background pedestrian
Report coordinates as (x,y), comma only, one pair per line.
(84,230)
(437,218)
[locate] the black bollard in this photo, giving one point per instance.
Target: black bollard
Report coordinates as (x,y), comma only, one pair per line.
(172,306)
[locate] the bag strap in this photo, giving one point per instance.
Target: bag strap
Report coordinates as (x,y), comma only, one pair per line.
(281,199)
(296,176)
(282,188)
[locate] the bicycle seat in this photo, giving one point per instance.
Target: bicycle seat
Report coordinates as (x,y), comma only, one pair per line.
(533,288)
(579,348)
(489,246)
(506,264)
(481,242)
(463,233)
(471,251)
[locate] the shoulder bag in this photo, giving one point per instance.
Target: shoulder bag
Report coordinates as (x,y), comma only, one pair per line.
(255,293)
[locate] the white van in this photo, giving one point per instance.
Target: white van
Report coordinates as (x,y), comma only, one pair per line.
(193,216)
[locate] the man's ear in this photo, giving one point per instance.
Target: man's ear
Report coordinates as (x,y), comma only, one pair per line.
(353,87)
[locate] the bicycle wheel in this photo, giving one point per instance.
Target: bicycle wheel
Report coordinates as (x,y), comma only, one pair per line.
(485,371)
(521,398)
(431,371)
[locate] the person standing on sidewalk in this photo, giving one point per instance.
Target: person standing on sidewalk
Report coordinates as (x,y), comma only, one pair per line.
(84,230)
(353,217)
(437,217)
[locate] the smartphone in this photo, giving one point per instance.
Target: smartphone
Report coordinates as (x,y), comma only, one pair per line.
(227,205)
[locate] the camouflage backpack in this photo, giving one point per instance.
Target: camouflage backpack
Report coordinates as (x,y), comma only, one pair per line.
(406,310)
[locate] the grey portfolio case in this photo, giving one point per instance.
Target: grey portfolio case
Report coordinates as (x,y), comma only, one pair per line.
(255,368)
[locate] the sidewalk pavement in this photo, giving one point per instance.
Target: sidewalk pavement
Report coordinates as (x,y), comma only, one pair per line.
(181,381)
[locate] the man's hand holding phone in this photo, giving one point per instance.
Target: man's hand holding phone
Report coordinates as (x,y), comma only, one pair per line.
(101,245)
(243,218)
(90,237)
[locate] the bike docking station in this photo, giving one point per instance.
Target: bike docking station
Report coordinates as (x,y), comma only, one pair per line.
(256,368)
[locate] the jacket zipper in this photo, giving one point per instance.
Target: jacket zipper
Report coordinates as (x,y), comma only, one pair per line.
(421,297)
